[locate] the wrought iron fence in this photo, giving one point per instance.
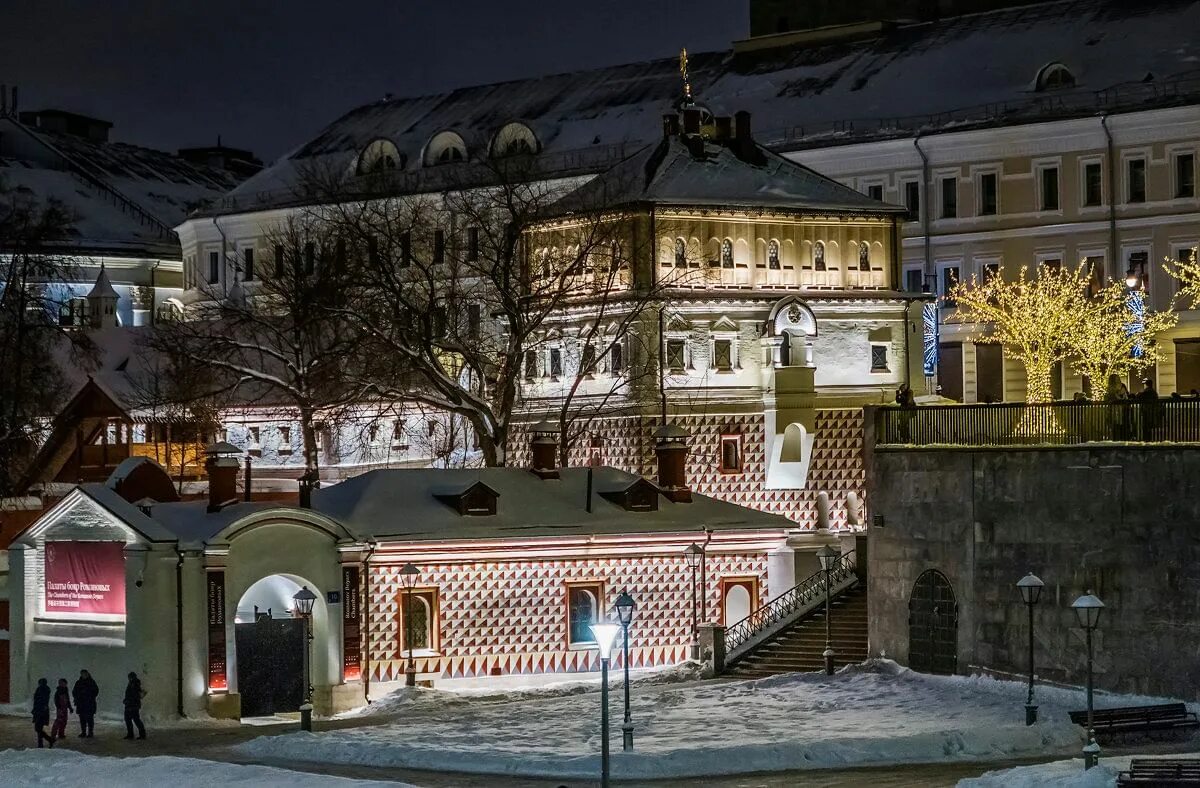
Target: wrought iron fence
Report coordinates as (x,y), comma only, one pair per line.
(1172,420)
(808,591)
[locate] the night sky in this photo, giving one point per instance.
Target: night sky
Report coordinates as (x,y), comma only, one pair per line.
(268,75)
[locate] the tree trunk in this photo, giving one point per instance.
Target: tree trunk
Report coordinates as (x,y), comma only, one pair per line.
(312,463)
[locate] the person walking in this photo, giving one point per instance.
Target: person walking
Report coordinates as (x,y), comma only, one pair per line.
(62,707)
(133,707)
(41,712)
(85,692)
(1149,406)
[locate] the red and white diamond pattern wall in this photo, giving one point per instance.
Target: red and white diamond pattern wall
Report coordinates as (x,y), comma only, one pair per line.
(510,617)
(836,467)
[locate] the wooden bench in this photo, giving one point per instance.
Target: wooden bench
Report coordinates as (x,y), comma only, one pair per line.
(1165,716)
(1161,772)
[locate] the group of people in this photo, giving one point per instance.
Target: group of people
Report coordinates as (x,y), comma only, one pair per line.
(81,701)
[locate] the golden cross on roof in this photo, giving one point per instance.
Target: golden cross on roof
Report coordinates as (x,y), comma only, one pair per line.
(683,72)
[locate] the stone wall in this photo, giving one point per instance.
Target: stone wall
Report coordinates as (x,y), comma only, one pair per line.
(1123,521)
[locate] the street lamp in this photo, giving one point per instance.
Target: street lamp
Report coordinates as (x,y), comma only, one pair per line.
(304,601)
(694,553)
(1088,608)
(828,558)
(605,633)
(1031,591)
(1133,279)
(625,606)
(408,576)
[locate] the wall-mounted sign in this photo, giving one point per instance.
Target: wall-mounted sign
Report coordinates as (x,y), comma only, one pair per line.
(85,577)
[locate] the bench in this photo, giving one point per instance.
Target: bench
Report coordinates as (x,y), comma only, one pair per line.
(1161,772)
(1165,716)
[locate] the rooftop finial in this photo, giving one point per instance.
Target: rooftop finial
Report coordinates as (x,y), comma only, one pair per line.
(687,85)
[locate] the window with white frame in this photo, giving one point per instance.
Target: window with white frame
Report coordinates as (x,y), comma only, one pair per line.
(677,354)
(914,278)
(724,352)
(680,253)
(1135,179)
(248,272)
(1183,174)
(879,358)
(910,190)
(616,357)
(1138,264)
(730,459)
(285,440)
(214,267)
(555,363)
(399,435)
(531,365)
(1184,252)
(1047,180)
(1093,261)
(727,253)
(989,269)
(948,277)
(948,191)
(987,192)
(1091,186)
(253,446)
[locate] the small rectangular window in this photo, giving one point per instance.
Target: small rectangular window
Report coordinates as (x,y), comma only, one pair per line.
(585,606)
(1095,269)
(372,251)
(310,257)
(949,280)
(913,280)
(472,244)
(875,191)
(1051,264)
(912,200)
(615,360)
(988,193)
(278,261)
(339,253)
(248,264)
(1137,180)
(587,364)
(439,247)
(474,320)
(950,197)
(879,358)
(405,250)
(1185,175)
(530,364)
(399,436)
(1050,189)
(1140,263)
(319,436)
(555,362)
(731,454)
(214,267)
(675,355)
(1093,184)
(285,436)
(989,272)
(723,354)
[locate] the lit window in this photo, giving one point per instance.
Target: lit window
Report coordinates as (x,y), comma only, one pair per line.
(731,454)
(819,256)
(583,610)
(723,354)
(864,257)
(727,253)
(879,358)
(1140,263)
(773,255)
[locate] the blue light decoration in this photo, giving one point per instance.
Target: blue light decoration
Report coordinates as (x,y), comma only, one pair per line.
(1135,302)
(929,312)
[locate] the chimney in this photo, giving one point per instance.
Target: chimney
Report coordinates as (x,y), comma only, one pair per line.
(308,482)
(671,125)
(670,446)
(222,469)
(249,479)
(544,449)
(691,121)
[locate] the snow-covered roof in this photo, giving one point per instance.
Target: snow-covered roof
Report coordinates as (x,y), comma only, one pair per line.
(103,287)
(953,73)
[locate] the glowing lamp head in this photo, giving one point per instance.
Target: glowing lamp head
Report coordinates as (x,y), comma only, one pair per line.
(605,634)
(828,557)
(625,606)
(1088,608)
(1132,279)
(1031,588)
(304,600)
(693,554)
(408,575)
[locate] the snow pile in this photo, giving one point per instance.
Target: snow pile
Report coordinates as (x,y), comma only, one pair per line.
(1057,774)
(873,714)
(73,769)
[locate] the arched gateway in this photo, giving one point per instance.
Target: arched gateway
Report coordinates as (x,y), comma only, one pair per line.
(933,625)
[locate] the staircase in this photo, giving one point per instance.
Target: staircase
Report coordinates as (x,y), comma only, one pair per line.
(800,645)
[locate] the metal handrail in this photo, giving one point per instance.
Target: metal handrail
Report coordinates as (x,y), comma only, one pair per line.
(781,607)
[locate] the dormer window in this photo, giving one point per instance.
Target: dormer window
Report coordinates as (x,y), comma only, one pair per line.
(477,500)
(380,155)
(444,148)
(514,139)
(1054,76)
(638,496)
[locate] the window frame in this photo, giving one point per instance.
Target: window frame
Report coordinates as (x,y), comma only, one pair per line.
(1176,156)
(213,274)
(875,369)
(595,588)
(248,255)
(942,267)
(1084,164)
(721,337)
(919,270)
(737,440)
(1128,159)
(430,596)
(1041,168)
(942,180)
(978,176)
(285,439)
(912,212)
(669,340)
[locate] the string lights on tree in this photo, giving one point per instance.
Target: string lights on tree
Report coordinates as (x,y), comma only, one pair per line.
(1116,336)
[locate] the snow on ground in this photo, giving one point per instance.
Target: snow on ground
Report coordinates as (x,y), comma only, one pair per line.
(1058,774)
(877,713)
(73,769)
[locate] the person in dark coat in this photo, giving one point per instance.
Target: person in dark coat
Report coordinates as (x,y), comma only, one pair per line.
(86,691)
(133,707)
(41,712)
(62,707)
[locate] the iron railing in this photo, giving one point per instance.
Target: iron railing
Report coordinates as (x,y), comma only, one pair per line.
(782,607)
(1172,420)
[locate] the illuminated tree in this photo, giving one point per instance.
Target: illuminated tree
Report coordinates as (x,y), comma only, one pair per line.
(1187,271)
(1038,320)
(1116,336)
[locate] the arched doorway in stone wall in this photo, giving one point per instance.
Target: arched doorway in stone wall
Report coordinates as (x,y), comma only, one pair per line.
(270,642)
(933,625)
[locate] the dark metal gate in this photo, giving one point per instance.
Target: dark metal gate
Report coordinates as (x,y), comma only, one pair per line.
(933,625)
(270,665)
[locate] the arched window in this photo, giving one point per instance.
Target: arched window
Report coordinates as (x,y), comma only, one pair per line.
(1054,76)
(419,625)
(819,256)
(727,253)
(773,255)
(583,607)
(680,253)
(864,256)
(380,155)
(514,139)
(443,148)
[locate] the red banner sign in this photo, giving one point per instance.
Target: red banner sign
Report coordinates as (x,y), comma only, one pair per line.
(85,577)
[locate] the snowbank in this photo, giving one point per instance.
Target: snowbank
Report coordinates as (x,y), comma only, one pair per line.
(73,769)
(1058,774)
(873,714)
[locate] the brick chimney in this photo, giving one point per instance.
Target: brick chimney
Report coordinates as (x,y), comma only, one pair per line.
(222,468)
(544,449)
(670,446)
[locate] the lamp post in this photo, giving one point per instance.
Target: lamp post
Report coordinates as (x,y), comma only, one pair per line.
(304,601)
(1088,608)
(1133,279)
(694,553)
(1031,590)
(605,633)
(408,576)
(625,606)
(828,558)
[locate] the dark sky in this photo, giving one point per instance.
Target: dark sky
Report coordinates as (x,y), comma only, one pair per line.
(268,74)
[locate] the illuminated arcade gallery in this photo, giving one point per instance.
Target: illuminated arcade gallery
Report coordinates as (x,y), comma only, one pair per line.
(477,573)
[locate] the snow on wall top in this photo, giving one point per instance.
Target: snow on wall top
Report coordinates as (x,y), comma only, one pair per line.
(977,68)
